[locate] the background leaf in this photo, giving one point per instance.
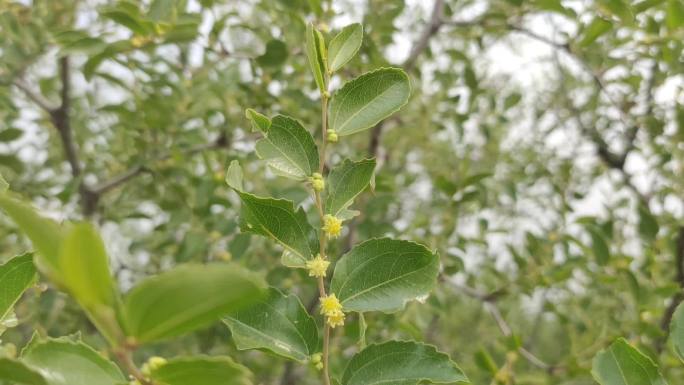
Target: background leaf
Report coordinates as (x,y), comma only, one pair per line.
(279,323)
(44,233)
(63,361)
(383,275)
(187,298)
(405,363)
(677,331)
(622,364)
(363,102)
(202,370)
(344,46)
(84,266)
(16,372)
(16,275)
(234,176)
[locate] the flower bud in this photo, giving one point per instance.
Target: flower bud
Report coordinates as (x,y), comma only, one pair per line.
(332,136)
(317,182)
(152,364)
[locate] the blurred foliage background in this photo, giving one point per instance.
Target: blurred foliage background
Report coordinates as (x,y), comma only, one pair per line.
(541,155)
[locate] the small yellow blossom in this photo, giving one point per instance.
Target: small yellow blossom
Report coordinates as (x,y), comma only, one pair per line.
(319,366)
(331,308)
(316,358)
(223,255)
(336,319)
(152,364)
(332,136)
(317,267)
(317,182)
(332,226)
(330,305)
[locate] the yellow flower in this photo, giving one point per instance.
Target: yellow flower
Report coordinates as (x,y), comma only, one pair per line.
(152,364)
(332,226)
(336,319)
(330,305)
(317,182)
(332,136)
(317,266)
(331,308)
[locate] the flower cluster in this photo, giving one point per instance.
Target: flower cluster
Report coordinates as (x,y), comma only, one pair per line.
(332,226)
(152,364)
(317,267)
(316,360)
(317,182)
(332,136)
(331,308)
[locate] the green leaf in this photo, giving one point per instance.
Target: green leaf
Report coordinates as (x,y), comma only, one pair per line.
(4,186)
(619,8)
(599,245)
(383,275)
(288,148)
(63,361)
(677,331)
(315,51)
(345,182)
(234,176)
(674,16)
(259,121)
(10,134)
(622,364)
(161,10)
(553,6)
(363,102)
(596,28)
(278,220)
(44,233)
(16,372)
(344,46)
(84,266)
(187,298)
(128,20)
(275,55)
(648,224)
(402,363)
(84,271)
(17,275)
(202,370)
(279,324)
(646,5)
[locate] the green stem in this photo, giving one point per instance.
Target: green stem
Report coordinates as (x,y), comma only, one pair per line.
(125,357)
(322,236)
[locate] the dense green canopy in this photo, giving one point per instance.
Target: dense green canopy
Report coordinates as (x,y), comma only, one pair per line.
(538,158)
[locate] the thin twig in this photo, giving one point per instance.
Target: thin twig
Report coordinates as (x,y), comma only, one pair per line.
(140,168)
(679,296)
(489,303)
(36,97)
(568,49)
(62,121)
(433,26)
(125,358)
